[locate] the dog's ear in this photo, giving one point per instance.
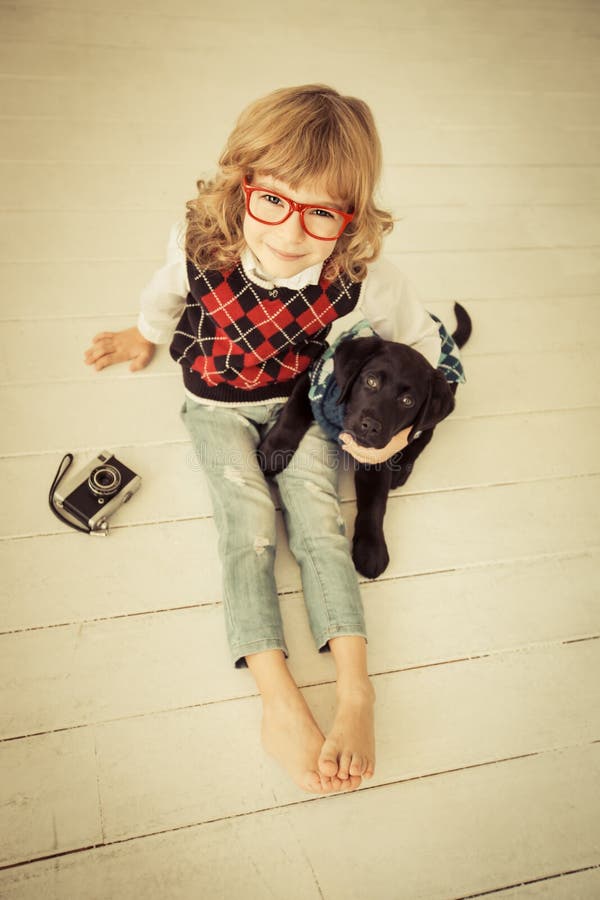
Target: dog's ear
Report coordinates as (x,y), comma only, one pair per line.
(438,405)
(348,360)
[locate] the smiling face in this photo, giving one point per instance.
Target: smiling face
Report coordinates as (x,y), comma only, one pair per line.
(285,250)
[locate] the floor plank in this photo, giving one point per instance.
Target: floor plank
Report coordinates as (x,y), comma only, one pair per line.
(518,274)
(91,97)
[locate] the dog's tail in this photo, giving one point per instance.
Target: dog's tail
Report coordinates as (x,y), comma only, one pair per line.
(464,326)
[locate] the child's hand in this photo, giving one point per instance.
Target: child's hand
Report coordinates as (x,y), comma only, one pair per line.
(372,455)
(112,347)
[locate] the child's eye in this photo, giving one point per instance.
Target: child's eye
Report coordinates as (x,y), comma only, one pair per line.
(271,198)
(323,213)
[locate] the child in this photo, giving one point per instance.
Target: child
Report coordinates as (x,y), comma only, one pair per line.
(281,243)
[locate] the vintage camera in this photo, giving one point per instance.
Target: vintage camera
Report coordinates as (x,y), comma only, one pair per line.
(93,493)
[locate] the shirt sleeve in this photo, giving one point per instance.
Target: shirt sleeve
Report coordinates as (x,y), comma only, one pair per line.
(394,310)
(163,299)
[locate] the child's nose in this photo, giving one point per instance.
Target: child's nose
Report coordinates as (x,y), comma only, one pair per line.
(293,227)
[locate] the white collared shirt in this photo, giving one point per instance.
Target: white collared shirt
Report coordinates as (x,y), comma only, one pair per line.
(387,300)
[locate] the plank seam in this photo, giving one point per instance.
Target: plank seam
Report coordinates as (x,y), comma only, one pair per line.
(529,881)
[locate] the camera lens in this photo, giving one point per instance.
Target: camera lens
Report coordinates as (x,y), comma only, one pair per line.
(104,480)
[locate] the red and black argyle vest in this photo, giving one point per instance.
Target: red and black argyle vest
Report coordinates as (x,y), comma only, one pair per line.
(238,342)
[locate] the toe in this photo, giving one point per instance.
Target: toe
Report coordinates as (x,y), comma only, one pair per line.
(351,783)
(337,784)
(358,765)
(328,784)
(312,783)
(354,782)
(369,771)
(344,767)
(328,763)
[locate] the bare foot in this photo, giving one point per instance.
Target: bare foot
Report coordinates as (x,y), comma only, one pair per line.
(349,750)
(291,735)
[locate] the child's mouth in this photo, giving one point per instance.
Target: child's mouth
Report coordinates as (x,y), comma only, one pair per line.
(285,256)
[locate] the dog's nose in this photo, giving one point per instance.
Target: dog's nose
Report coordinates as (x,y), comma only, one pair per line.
(369,427)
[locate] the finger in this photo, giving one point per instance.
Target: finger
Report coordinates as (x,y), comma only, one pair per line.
(360,454)
(97,353)
(117,350)
(370,458)
(103,335)
(354,451)
(102,345)
(348,444)
(402,436)
(92,355)
(139,362)
(93,351)
(108,359)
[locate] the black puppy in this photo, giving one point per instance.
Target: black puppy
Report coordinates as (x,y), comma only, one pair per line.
(381,388)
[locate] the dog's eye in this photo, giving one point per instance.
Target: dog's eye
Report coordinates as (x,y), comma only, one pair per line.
(372,381)
(407,400)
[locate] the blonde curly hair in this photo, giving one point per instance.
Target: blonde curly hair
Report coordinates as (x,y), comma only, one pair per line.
(299,135)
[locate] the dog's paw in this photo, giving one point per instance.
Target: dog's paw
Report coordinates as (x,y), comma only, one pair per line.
(401,474)
(370,556)
(273,459)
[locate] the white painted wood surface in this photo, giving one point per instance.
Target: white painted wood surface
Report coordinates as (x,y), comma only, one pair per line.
(130,760)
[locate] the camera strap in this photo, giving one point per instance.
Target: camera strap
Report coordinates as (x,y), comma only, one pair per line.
(60,474)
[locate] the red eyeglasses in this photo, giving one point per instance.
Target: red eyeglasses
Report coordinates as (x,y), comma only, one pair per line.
(272,208)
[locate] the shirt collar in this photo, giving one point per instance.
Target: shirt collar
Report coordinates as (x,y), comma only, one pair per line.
(253,270)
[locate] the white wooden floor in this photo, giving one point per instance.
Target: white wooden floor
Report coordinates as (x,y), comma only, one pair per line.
(130,762)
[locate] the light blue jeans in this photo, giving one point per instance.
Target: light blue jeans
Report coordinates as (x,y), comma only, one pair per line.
(225,441)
